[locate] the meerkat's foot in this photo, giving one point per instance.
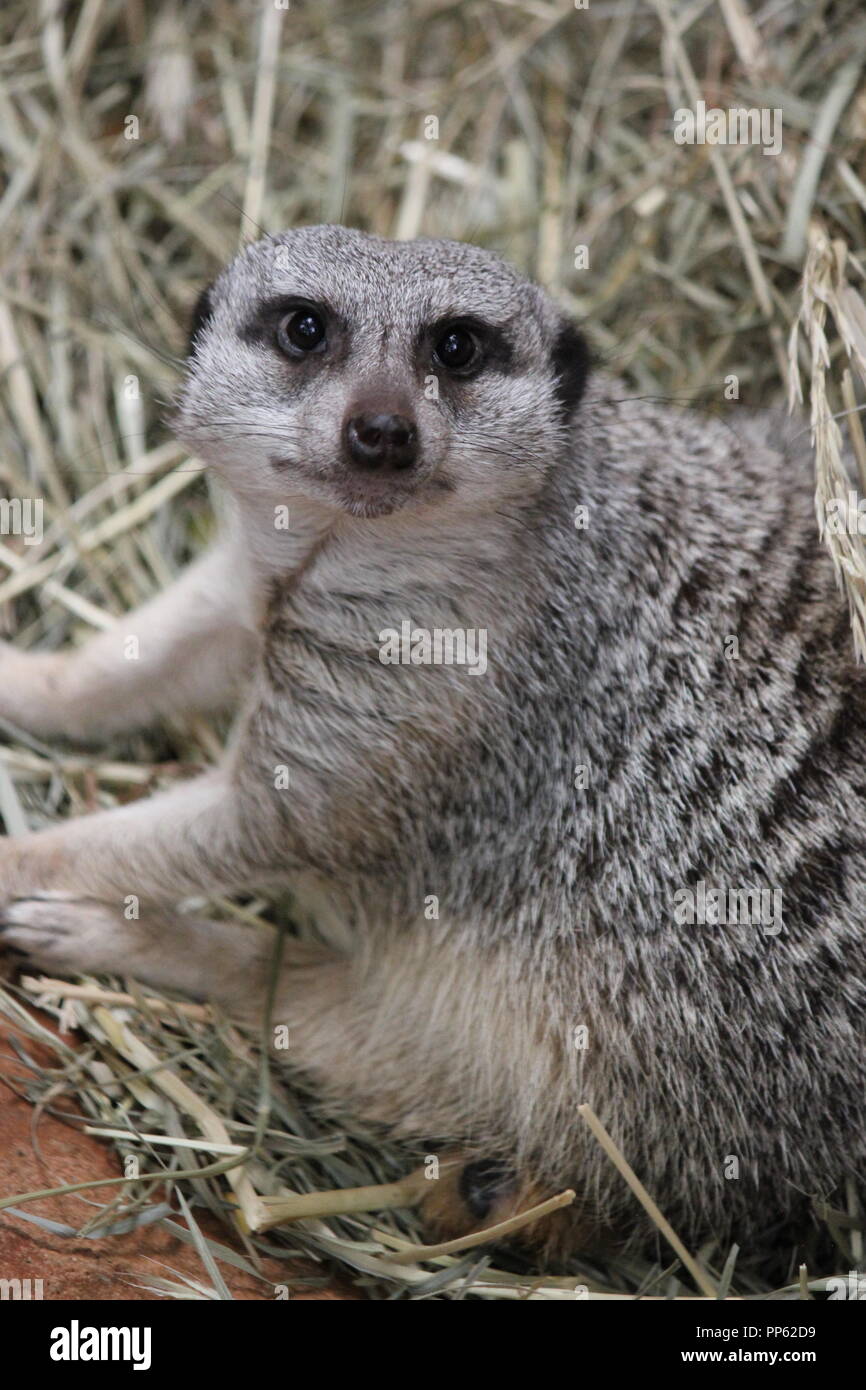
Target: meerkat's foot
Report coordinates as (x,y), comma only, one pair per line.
(473,1194)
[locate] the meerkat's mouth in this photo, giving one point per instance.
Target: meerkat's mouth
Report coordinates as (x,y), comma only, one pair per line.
(365,494)
(371,501)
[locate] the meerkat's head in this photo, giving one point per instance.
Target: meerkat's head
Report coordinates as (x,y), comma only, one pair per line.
(370,375)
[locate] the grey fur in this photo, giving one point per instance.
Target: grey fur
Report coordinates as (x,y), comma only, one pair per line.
(608,649)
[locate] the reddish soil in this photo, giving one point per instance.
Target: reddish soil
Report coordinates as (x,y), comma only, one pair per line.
(46,1152)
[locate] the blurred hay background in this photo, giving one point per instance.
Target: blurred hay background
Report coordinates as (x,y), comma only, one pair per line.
(139,144)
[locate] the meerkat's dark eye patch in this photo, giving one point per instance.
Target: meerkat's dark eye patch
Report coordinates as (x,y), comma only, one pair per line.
(297,328)
(464,345)
(201,316)
(571,362)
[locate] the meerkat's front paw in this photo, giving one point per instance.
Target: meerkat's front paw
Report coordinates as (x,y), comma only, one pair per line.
(59,932)
(67,934)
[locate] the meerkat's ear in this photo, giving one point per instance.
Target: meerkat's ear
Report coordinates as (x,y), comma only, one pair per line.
(571,362)
(201,315)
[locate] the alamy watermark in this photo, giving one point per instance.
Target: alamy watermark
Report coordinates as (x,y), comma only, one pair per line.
(438,646)
(845,515)
(24,1290)
(77,1343)
(738,125)
(722,907)
(853,1288)
(22,516)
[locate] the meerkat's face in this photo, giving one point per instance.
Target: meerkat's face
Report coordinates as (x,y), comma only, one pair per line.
(369,375)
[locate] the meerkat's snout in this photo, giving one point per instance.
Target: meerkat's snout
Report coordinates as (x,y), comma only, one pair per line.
(377,439)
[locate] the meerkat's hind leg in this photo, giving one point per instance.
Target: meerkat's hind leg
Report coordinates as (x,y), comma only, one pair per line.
(475,1193)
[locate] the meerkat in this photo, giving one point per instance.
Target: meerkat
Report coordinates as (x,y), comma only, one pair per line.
(522,868)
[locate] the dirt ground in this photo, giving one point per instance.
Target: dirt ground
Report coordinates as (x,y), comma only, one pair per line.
(40,1150)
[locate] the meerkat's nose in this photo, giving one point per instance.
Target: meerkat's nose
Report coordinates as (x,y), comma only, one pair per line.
(389,442)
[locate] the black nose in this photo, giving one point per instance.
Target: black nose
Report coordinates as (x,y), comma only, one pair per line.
(389,442)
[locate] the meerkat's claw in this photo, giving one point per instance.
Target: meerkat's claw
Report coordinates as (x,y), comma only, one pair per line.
(56,931)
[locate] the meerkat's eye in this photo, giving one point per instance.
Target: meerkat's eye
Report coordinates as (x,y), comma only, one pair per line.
(300,331)
(456,348)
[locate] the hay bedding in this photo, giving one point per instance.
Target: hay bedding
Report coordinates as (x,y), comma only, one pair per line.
(138,147)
